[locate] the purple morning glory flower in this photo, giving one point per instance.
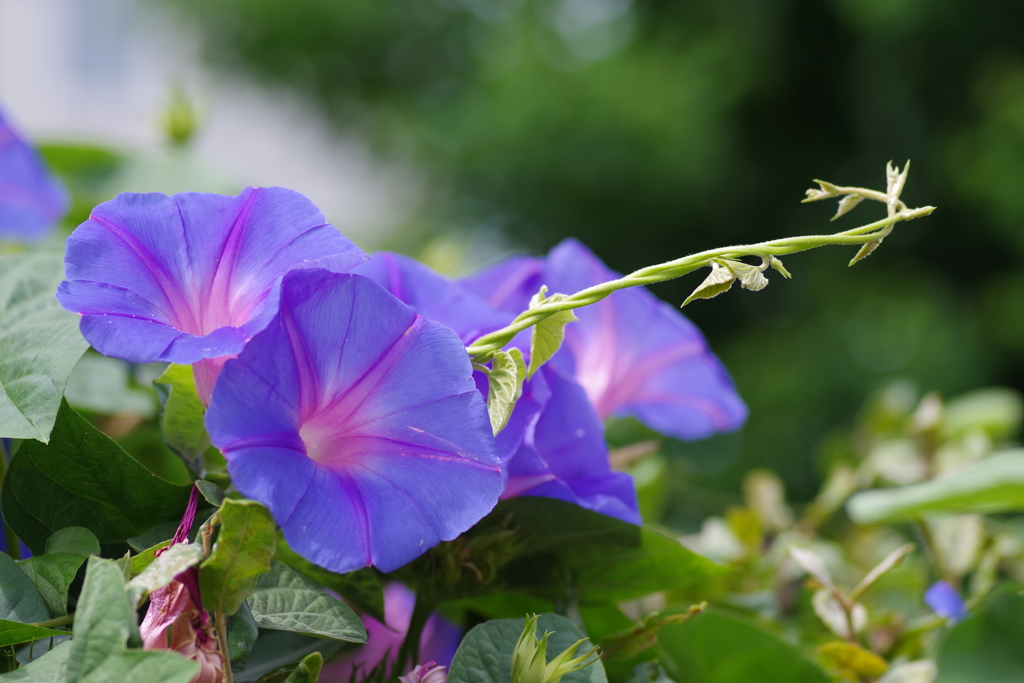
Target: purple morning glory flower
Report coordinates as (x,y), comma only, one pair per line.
(358,423)
(945,601)
(439,642)
(190,278)
(633,354)
(553,444)
(434,296)
(562,453)
(31,200)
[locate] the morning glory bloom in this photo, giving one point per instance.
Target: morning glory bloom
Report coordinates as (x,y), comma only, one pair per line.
(553,444)
(358,423)
(438,643)
(945,601)
(633,354)
(190,278)
(434,296)
(562,453)
(31,200)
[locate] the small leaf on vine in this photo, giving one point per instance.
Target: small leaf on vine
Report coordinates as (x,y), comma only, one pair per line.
(548,333)
(720,280)
(865,251)
(750,277)
(504,385)
(847,203)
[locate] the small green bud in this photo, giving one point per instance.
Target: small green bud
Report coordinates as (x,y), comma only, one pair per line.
(530,655)
(777,265)
(827,191)
(180,120)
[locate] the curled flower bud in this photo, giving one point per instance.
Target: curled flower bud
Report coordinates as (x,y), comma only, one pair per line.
(176,619)
(426,673)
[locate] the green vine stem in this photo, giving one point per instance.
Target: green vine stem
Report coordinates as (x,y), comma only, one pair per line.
(483,348)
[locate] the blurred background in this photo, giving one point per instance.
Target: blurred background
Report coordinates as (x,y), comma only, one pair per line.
(462,130)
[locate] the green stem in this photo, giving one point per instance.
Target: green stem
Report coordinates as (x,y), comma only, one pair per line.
(486,345)
(53,623)
(222,641)
(409,652)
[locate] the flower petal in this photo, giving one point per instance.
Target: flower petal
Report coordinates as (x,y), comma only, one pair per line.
(31,200)
(439,641)
(565,456)
(945,601)
(509,284)
(358,424)
(434,296)
(159,278)
(553,444)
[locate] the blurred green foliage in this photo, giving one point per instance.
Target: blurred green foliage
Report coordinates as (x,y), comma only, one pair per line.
(651,129)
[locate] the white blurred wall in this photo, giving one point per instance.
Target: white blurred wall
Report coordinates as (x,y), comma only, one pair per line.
(102,70)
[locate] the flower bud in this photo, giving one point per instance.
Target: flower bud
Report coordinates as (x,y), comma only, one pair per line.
(426,673)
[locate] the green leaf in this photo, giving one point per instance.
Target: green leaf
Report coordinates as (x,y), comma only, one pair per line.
(879,570)
(138,563)
(285,600)
(986,646)
(76,540)
(921,671)
(995,484)
(485,654)
(15,633)
(45,669)
(719,280)
(143,665)
(83,478)
(211,492)
(308,670)
(162,570)
(103,385)
(39,343)
(53,572)
(52,575)
(19,598)
(548,334)
(361,588)
(181,415)
(153,536)
(750,277)
(504,385)
(242,633)
(241,554)
(612,560)
(279,650)
(630,642)
(865,251)
(995,411)
(853,661)
(103,621)
(716,647)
